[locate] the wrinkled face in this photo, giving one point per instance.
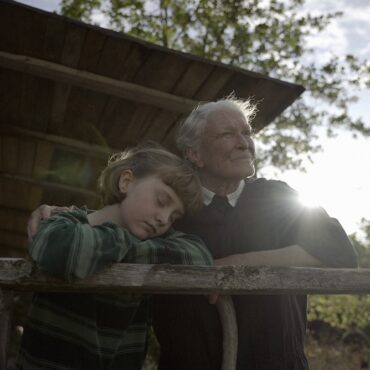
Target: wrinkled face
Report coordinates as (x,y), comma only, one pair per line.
(150,206)
(226,150)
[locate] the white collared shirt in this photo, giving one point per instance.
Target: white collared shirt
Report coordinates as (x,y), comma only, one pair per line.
(232,197)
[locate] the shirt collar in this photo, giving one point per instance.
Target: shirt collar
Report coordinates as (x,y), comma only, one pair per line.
(232,197)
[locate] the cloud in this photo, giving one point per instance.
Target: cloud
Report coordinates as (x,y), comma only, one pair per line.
(345,34)
(357,3)
(99,18)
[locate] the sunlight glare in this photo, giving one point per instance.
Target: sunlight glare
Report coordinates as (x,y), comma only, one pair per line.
(308,199)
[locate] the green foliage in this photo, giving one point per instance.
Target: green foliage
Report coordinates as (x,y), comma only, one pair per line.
(79,9)
(263,36)
(362,246)
(340,311)
(345,311)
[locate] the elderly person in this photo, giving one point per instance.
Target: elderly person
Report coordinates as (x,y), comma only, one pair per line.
(244,221)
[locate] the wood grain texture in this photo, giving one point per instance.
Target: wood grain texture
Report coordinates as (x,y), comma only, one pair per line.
(171,279)
(87,80)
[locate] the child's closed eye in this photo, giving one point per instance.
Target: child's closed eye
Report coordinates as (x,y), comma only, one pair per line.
(161,201)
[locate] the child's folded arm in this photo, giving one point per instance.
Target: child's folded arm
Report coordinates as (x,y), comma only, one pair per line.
(66,247)
(174,247)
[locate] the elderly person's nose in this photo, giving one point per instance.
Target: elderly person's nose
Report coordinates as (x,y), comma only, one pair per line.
(243,141)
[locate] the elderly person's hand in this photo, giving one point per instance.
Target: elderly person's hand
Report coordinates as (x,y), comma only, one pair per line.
(213,298)
(41,213)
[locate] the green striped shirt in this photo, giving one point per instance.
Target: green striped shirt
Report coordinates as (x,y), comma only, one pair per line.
(85,331)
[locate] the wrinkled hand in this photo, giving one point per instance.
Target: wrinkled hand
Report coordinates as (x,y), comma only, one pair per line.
(41,213)
(212,298)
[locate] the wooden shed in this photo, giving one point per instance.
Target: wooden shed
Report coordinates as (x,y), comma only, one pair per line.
(71,93)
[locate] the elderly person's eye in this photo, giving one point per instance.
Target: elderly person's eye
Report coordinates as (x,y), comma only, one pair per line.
(247,133)
(227,135)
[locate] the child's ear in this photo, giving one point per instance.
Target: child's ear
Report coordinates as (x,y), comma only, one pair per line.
(193,156)
(125,180)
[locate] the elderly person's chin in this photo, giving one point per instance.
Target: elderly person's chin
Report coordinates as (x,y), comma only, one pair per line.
(238,174)
(246,174)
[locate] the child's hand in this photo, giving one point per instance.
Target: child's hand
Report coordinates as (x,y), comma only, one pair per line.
(41,213)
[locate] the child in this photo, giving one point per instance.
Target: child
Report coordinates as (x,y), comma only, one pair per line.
(144,190)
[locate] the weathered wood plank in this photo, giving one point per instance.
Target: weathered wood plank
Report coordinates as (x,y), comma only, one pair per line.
(14,219)
(164,123)
(43,155)
(44,91)
(91,50)
(169,279)
(18,194)
(7,38)
(13,269)
(112,59)
(73,41)
(54,39)
(15,239)
(11,84)
(82,123)
(11,251)
(116,122)
(105,85)
(82,115)
(214,83)
(93,102)
(140,122)
(27,102)
(33,26)
(48,184)
(26,156)
(159,125)
(75,146)
(160,71)
(9,149)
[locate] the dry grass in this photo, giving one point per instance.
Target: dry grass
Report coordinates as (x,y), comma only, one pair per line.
(328,354)
(323,354)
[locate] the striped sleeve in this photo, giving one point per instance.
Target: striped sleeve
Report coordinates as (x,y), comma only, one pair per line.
(67,246)
(175,247)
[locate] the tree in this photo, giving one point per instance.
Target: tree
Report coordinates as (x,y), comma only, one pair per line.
(362,245)
(263,36)
(345,311)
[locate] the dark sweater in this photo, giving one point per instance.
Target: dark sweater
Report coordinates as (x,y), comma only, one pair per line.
(271,328)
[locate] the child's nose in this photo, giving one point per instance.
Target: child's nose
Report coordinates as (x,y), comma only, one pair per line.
(163,217)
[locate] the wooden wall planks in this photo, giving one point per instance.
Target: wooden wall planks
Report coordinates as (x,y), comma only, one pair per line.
(74,38)
(69,113)
(90,58)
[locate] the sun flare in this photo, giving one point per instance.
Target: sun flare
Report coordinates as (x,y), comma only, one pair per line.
(308,199)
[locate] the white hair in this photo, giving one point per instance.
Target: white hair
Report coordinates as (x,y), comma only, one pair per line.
(190,131)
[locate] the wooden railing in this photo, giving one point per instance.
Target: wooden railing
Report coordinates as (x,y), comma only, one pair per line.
(20,274)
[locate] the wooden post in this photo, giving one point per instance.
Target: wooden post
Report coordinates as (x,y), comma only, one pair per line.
(6,312)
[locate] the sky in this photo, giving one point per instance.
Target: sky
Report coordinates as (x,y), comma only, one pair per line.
(339,178)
